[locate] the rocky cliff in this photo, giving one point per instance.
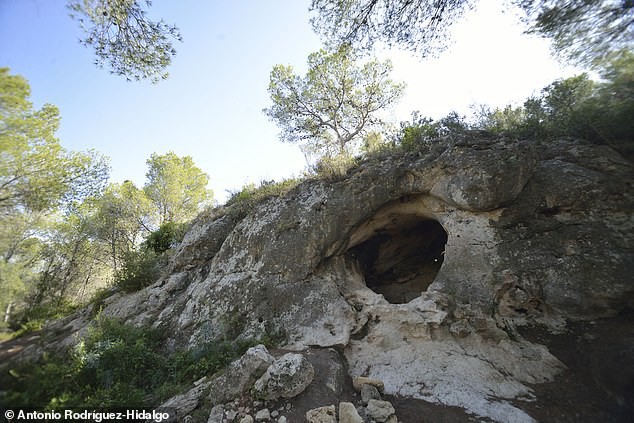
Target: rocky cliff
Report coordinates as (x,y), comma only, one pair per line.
(420,269)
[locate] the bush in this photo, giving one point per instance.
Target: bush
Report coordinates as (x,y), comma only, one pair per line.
(167,236)
(576,107)
(115,365)
(249,196)
(335,167)
(140,269)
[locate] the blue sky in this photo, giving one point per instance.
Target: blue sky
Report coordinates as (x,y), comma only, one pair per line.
(211,106)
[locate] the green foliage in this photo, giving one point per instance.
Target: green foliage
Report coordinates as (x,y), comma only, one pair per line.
(583,32)
(123,214)
(176,187)
(33,318)
(123,37)
(205,359)
(165,237)
(334,167)
(39,180)
(139,269)
(421,130)
(418,25)
(576,107)
(36,173)
(335,104)
(115,365)
(13,286)
(250,195)
(98,298)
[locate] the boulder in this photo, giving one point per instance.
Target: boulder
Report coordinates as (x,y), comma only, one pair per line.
(240,375)
(380,411)
(348,413)
(187,402)
(322,415)
(217,414)
(287,377)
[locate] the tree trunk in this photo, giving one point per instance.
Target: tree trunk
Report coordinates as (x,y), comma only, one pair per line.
(7,313)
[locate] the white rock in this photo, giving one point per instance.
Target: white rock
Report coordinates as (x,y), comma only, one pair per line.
(322,415)
(263,415)
(217,414)
(348,413)
(380,410)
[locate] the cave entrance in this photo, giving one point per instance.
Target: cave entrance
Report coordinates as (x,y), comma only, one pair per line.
(402,258)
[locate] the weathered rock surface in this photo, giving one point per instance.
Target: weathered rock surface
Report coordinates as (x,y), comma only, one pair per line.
(187,402)
(240,375)
(419,267)
(380,411)
(324,414)
(287,377)
(348,413)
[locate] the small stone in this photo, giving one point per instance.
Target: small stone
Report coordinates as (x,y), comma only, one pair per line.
(348,413)
(275,413)
(231,415)
(289,406)
(358,382)
(322,415)
(263,415)
(282,419)
(392,419)
(247,419)
(380,410)
(369,392)
(257,403)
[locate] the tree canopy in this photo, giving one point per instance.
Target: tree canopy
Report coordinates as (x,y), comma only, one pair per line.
(125,39)
(585,32)
(176,187)
(419,25)
(335,103)
(36,173)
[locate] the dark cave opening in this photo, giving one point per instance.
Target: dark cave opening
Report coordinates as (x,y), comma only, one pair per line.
(401,259)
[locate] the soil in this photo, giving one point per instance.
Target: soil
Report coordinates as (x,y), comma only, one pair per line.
(599,383)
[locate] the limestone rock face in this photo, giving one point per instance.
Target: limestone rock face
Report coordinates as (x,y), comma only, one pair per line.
(418,266)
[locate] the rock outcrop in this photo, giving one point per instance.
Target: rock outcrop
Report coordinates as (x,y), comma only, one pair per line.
(418,266)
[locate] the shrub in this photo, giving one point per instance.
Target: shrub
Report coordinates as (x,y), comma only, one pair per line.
(115,365)
(140,269)
(166,237)
(249,196)
(576,107)
(335,167)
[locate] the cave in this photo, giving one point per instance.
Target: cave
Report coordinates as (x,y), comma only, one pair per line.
(402,257)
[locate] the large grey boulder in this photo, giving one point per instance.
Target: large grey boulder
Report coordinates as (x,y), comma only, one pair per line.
(240,375)
(287,377)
